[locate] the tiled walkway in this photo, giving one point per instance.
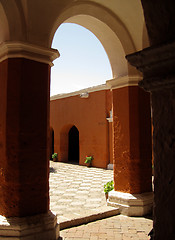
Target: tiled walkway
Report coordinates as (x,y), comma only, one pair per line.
(113,228)
(76,192)
(77,197)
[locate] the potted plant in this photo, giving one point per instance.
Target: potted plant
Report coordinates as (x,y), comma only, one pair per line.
(152,169)
(109,186)
(88,161)
(55,157)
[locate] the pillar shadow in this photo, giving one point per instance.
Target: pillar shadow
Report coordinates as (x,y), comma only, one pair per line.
(52,170)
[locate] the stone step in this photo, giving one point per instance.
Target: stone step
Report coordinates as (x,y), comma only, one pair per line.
(98,214)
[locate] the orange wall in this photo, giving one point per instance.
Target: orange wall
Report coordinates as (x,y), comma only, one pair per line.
(89,116)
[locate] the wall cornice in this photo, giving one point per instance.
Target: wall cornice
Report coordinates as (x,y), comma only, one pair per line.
(123,82)
(28,51)
(80,92)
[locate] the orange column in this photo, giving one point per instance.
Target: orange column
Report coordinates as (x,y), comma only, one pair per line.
(24,122)
(24,148)
(132,140)
(132,150)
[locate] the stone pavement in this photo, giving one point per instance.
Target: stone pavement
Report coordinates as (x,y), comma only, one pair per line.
(76,193)
(114,228)
(77,197)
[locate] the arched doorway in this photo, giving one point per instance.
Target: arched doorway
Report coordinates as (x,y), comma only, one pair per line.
(73,145)
(51,143)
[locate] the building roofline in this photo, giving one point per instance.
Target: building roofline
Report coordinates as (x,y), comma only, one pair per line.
(82,91)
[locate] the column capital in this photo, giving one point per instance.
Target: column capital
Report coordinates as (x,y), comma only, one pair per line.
(157,64)
(124,81)
(29,51)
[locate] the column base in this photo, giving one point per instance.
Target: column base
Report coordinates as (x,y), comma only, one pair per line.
(43,226)
(131,204)
(110,166)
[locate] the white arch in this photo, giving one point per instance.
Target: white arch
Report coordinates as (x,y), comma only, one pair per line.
(110,31)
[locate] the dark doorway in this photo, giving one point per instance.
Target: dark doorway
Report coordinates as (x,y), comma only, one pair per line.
(51,142)
(73,147)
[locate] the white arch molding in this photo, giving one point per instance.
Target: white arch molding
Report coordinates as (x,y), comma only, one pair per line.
(110,31)
(104,23)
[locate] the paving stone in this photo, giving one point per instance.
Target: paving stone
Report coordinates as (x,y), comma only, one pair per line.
(73,195)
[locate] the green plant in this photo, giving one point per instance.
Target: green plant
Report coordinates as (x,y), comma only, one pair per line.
(109,186)
(54,155)
(88,159)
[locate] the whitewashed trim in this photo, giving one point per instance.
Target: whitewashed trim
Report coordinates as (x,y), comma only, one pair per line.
(123,82)
(131,204)
(82,91)
(40,227)
(28,51)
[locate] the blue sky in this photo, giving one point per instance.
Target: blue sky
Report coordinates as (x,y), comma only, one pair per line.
(83,61)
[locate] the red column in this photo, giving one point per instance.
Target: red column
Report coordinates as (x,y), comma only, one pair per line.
(132,140)
(24,132)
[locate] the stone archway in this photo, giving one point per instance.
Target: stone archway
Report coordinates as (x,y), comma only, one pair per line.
(26,72)
(131,146)
(107,28)
(73,145)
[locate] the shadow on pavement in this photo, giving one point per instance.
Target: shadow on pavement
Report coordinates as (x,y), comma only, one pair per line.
(52,170)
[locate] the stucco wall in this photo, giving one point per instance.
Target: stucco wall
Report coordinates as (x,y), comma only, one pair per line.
(89,116)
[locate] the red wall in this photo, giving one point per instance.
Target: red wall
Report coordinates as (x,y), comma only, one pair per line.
(89,116)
